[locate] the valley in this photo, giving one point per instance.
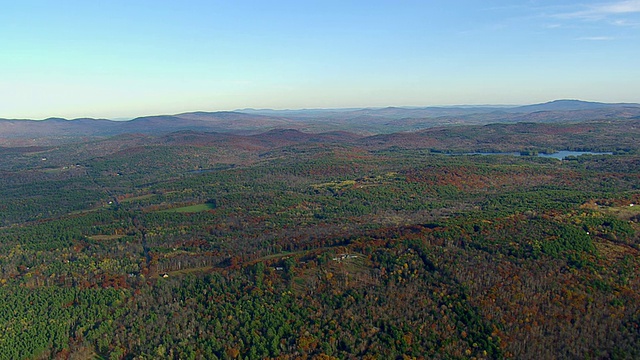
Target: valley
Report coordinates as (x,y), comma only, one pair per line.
(274,241)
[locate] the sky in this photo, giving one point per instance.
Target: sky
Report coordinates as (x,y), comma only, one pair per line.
(127,58)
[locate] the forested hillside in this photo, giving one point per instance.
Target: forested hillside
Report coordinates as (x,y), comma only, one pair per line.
(198,245)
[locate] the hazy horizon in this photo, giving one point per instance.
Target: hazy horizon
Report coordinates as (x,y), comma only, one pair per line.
(327,109)
(121,59)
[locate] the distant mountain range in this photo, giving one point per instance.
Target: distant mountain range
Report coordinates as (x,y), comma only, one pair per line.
(367,121)
(437,111)
(571,105)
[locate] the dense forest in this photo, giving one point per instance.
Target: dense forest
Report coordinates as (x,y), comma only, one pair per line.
(282,245)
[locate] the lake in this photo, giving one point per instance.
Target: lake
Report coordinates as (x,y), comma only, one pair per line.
(560,155)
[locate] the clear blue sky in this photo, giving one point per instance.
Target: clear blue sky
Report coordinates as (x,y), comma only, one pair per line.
(124,58)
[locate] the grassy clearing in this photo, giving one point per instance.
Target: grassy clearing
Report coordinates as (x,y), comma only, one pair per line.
(335,184)
(86,211)
(623,212)
(183,272)
(192,208)
(141,197)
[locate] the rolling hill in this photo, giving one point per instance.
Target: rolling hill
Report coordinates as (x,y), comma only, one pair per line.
(370,121)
